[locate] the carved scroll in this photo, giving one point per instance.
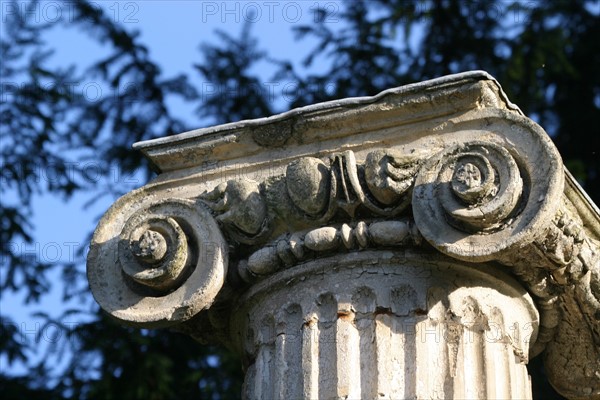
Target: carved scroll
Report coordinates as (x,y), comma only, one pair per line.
(476,201)
(157,264)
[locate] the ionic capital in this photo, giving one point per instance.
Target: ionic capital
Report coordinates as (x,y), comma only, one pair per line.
(447,169)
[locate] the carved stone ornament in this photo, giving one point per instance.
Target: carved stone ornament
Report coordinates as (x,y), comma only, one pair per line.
(421,243)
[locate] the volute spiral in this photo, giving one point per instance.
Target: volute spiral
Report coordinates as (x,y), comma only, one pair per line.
(171,260)
(477,199)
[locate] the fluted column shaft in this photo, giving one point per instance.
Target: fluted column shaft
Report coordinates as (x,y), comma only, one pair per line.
(389,325)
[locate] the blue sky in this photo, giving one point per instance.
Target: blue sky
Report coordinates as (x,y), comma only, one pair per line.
(173,31)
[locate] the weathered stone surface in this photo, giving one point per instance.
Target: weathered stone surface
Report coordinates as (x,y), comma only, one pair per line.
(155,293)
(390,325)
(308,240)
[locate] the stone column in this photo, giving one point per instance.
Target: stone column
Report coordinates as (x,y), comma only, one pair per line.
(386,325)
(422,243)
